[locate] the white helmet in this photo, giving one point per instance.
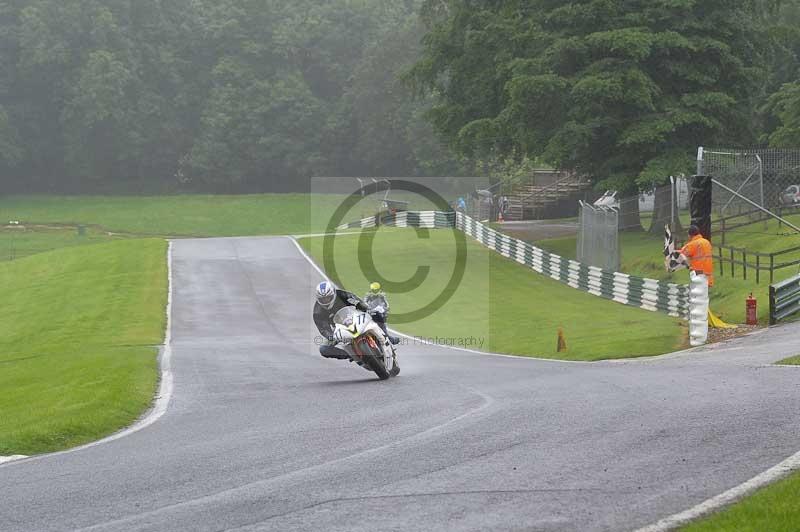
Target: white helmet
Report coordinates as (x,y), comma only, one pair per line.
(326,294)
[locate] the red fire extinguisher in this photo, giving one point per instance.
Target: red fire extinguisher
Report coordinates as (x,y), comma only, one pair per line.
(752,310)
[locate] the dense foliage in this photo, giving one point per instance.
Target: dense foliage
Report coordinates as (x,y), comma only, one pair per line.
(622,91)
(222,95)
(240,95)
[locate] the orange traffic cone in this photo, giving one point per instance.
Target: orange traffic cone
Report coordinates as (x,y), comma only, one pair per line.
(562,342)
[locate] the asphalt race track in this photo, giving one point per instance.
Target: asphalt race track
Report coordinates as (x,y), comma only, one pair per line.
(263,434)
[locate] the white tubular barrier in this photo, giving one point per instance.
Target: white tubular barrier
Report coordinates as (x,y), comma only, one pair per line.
(698,309)
(647,294)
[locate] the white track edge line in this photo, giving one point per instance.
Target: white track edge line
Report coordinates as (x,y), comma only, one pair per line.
(769,476)
(308,258)
(12,458)
(773,474)
(617,361)
(423,341)
(163,395)
(319,235)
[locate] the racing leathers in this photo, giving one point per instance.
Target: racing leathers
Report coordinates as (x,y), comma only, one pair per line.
(379,310)
(323,319)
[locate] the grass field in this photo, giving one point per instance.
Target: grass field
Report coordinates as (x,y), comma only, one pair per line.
(19,241)
(516,310)
(791,361)
(78,328)
(190,215)
(642,256)
(772,509)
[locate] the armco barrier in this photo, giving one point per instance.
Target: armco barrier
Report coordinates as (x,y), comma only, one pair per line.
(648,294)
(784,299)
(423,219)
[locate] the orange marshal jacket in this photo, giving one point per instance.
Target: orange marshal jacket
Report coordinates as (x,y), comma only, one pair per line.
(700,254)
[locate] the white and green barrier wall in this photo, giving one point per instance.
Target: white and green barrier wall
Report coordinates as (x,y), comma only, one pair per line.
(647,294)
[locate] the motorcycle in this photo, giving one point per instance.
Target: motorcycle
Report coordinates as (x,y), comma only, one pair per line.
(363,340)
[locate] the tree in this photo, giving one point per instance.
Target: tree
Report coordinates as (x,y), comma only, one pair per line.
(782,110)
(96,117)
(623,92)
(236,95)
(10,151)
(391,134)
(785,105)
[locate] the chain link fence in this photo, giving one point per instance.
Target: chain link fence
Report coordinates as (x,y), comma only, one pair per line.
(598,237)
(766,177)
(652,209)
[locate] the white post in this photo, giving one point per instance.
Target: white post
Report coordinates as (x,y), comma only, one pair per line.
(698,309)
(672,199)
(761,178)
(700,160)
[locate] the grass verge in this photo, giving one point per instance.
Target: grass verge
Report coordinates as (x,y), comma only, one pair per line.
(513,309)
(642,256)
(191,215)
(791,361)
(78,328)
(20,241)
(772,509)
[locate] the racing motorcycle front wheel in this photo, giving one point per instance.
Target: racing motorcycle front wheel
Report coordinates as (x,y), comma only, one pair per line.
(371,354)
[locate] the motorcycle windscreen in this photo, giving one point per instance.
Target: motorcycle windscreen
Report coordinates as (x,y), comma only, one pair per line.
(345,316)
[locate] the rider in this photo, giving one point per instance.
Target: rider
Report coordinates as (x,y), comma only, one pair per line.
(379,309)
(331,300)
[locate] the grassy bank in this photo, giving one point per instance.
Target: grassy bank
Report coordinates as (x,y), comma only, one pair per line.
(642,256)
(191,215)
(194,215)
(511,307)
(791,361)
(18,242)
(78,328)
(773,509)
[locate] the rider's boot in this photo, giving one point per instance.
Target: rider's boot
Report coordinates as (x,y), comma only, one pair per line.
(393,339)
(328,351)
(395,368)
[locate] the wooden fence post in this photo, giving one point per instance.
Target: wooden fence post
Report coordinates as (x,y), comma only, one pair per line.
(771,268)
(744,263)
(758,267)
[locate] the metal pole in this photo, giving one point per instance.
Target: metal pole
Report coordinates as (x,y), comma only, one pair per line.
(672,199)
(756,205)
(772,320)
(722,211)
(581,229)
(761,177)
